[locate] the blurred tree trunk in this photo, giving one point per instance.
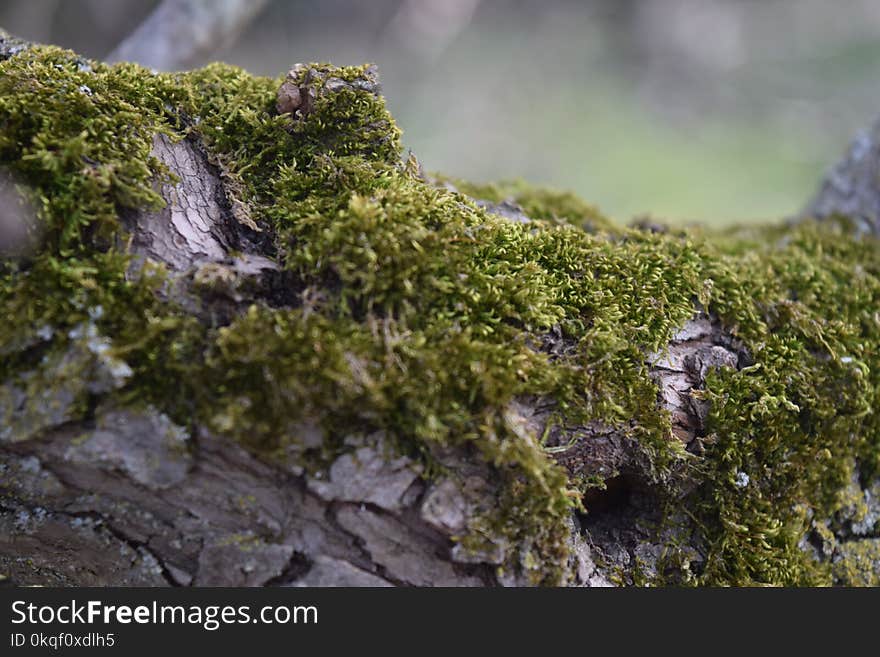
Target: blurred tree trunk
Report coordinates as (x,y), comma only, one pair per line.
(180,32)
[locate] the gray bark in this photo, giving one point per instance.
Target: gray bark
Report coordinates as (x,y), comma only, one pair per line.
(135,499)
(852,186)
(180,32)
(130,498)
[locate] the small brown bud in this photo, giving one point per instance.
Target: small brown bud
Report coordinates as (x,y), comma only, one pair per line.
(289,98)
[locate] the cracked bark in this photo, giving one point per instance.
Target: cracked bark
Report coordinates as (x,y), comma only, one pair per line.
(130,498)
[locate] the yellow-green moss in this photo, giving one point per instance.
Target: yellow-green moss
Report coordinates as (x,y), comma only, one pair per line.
(859,563)
(537,202)
(421,312)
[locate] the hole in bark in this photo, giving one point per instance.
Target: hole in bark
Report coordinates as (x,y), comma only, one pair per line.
(601,502)
(298,566)
(282,289)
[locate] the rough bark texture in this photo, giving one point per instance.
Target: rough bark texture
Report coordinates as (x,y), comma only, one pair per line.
(851,187)
(118,500)
(131,506)
(131,498)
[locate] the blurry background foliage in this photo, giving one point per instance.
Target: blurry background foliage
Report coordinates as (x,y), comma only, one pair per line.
(687,110)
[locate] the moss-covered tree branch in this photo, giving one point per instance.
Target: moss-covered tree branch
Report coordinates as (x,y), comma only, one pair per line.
(252,345)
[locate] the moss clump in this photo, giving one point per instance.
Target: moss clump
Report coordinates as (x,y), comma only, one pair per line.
(538,202)
(420,311)
(81,140)
(859,563)
(800,422)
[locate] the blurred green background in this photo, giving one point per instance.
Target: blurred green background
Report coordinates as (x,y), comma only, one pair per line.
(688,110)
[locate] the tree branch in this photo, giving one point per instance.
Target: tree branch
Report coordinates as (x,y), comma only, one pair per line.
(179,33)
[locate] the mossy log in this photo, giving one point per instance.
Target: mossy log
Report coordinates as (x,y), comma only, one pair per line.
(247,343)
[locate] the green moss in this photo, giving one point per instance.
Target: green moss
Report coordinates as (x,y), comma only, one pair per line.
(538,202)
(86,149)
(859,563)
(421,312)
(801,418)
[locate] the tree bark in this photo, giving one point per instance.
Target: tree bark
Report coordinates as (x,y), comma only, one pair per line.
(179,32)
(128,497)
